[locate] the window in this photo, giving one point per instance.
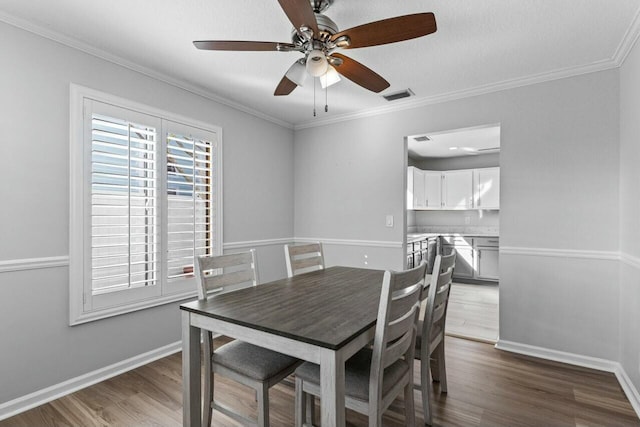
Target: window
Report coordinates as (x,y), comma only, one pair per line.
(145,201)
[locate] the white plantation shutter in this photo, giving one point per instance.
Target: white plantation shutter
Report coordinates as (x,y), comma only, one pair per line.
(145,200)
(124,231)
(191,207)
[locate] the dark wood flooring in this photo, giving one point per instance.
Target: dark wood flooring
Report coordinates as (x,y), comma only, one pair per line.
(487,387)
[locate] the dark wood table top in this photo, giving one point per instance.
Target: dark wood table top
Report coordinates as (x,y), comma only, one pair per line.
(327,308)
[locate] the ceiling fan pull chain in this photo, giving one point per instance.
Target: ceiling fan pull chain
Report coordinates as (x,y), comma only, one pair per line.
(326,99)
(314,97)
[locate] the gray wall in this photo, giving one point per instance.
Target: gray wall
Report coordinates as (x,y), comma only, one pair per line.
(630,215)
(559,187)
(38,347)
(348,177)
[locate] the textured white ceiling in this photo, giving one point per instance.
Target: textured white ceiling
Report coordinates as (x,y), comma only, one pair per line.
(456,143)
(478,44)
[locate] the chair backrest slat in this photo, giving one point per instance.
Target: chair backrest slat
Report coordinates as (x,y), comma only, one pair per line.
(399,327)
(307,262)
(447,261)
(396,326)
(233,278)
(438,313)
(437,301)
(215,272)
(401,306)
(306,248)
(303,258)
(432,251)
(399,347)
(441,294)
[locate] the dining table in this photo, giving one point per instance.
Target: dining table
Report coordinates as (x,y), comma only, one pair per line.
(323,317)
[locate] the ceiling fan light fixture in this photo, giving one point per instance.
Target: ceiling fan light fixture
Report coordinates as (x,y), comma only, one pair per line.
(329,78)
(316,63)
(297,73)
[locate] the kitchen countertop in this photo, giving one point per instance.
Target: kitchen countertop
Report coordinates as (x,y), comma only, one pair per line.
(414,237)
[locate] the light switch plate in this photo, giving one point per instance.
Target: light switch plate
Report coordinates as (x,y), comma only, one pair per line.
(389,221)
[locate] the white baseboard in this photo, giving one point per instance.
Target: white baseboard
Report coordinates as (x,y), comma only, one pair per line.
(24,403)
(629,389)
(578,360)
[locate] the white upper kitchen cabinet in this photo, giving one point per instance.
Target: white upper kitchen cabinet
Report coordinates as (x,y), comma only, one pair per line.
(415,189)
(457,189)
(423,189)
(433,189)
(487,188)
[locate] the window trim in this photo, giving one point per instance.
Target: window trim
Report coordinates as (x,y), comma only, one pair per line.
(78,195)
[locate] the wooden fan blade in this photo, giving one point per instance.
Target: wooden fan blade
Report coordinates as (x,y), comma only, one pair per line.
(239,45)
(300,13)
(285,87)
(359,74)
(389,30)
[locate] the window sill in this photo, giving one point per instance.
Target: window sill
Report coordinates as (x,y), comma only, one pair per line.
(90,316)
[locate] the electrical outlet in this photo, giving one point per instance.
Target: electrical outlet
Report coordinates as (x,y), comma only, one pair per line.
(389,221)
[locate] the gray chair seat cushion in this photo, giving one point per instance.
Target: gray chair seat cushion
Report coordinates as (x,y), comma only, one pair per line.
(357,371)
(253,361)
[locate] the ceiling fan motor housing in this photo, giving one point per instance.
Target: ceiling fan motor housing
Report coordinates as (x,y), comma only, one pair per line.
(317,38)
(326,26)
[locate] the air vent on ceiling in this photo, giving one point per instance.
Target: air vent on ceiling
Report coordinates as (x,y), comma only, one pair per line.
(423,138)
(398,95)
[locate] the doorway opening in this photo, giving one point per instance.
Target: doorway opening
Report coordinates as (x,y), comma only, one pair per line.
(453,197)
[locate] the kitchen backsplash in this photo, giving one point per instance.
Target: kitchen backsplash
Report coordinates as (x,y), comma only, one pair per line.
(464,222)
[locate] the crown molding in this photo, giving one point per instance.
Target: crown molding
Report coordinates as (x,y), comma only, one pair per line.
(622,51)
(165,78)
(624,48)
(466,93)
(628,41)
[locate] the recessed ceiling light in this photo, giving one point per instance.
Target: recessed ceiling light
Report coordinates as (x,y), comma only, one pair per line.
(453,148)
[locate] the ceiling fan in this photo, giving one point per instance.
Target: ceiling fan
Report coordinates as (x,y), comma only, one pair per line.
(317,37)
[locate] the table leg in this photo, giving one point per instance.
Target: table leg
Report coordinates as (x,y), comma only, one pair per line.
(332,389)
(191,378)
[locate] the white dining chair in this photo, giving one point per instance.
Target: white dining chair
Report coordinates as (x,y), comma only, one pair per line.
(303,258)
(247,364)
(430,343)
(374,377)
